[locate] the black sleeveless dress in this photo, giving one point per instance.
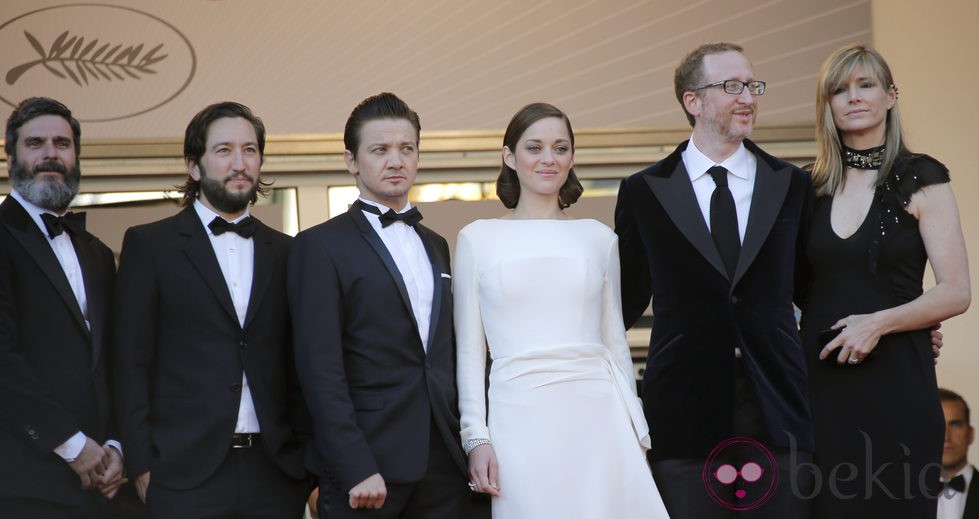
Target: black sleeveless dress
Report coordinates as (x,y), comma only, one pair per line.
(879,424)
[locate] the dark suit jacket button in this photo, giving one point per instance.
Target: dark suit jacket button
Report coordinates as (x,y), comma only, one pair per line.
(735,299)
(243,344)
(235,388)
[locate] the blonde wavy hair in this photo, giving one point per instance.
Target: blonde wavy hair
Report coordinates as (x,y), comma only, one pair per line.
(827,171)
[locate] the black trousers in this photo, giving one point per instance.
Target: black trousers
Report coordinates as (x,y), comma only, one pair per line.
(745,476)
(95,507)
(247,485)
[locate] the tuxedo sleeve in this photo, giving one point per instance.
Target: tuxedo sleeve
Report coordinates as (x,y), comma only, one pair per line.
(136,303)
(470,343)
(803,270)
(636,283)
(27,407)
(316,307)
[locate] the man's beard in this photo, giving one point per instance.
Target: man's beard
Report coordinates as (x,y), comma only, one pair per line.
(47,193)
(221,198)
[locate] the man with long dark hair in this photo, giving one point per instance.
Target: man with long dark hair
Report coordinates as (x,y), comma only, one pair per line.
(207,396)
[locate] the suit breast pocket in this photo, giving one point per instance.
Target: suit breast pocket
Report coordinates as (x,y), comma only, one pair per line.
(367,402)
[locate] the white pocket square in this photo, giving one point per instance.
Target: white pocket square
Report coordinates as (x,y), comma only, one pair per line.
(446,276)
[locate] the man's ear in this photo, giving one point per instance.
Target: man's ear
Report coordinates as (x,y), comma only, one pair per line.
(692,103)
(193,169)
(351,161)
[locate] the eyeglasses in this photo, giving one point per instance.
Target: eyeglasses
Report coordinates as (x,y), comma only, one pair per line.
(735,87)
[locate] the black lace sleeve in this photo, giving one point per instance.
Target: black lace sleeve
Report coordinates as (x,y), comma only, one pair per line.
(910,173)
(913,172)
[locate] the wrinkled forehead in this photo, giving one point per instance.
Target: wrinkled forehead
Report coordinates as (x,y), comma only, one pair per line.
(45,126)
(727,65)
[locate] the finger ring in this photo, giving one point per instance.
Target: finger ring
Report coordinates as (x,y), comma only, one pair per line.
(472,486)
(853,360)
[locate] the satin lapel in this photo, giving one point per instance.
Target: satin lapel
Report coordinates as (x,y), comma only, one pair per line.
(675,193)
(382,251)
(199,250)
(25,231)
(766,201)
(261,271)
(94,295)
(423,233)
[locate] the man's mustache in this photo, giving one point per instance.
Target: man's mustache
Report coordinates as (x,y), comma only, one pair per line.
(50,166)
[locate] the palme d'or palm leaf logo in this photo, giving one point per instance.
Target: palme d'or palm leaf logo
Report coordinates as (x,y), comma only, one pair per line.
(81,62)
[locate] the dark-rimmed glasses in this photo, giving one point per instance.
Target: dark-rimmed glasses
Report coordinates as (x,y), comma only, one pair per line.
(735,87)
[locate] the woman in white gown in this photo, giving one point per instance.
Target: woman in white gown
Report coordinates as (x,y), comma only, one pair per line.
(564,433)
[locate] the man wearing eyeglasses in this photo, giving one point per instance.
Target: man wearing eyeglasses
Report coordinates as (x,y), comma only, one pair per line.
(712,233)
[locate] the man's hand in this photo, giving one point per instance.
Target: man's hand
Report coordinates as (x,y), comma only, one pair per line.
(89,464)
(369,493)
(936,342)
(112,478)
(142,483)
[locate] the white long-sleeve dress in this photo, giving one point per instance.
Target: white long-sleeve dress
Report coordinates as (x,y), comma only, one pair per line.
(563,416)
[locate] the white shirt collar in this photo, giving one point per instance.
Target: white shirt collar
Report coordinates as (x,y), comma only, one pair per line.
(966,473)
(383,208)
(33,210)
(207,215)
(697,163)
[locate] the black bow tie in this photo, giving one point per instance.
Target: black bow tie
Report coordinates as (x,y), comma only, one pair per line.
(957,483)
(74,223)
(410,217)
(245,228)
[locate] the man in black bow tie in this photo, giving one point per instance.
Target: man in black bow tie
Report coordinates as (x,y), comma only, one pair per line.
(369,292)
(57,443)
(960,493)
(209,404)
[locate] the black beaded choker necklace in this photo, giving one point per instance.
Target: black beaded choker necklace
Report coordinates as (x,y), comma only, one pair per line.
(871,158)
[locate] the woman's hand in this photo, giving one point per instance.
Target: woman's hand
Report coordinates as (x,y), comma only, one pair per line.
(859,337)
(483,475)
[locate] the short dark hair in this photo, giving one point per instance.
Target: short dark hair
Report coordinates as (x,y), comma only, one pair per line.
(195,143)
(507,183)
(947,395)
(689,73)
(36,107)
(381,106)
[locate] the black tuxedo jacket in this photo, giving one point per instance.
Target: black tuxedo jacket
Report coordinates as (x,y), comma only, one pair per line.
(181,352)
(700,315)
(53,376)
(972,497)
(372,390)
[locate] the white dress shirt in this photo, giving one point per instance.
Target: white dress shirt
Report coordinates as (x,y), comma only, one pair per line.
(64,250)
(740,180)
(408,251)
(236,256)
(951,503)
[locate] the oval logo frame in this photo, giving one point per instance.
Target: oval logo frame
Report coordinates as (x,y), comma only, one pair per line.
(129,78)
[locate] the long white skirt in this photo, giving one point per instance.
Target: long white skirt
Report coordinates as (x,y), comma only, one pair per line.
(568,434)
